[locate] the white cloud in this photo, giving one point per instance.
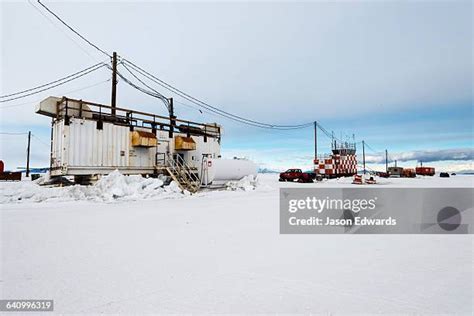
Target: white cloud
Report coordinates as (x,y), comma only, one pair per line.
(460,154)
(293,60)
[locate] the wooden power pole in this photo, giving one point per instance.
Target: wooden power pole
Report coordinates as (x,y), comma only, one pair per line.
(113,102)
(315,140)
(363,154)
(172,117)
(28,155)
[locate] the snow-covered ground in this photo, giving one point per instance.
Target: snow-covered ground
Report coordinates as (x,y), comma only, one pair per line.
(140,248)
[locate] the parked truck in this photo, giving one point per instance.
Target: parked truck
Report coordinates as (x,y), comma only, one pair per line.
(297,175)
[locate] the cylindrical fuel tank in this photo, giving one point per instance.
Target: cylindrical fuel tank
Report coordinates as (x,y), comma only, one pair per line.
(223,170)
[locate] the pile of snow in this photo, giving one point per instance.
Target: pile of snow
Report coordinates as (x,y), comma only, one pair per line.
(247,183)
(112,187)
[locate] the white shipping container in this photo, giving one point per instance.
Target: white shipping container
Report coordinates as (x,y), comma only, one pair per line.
(82,148)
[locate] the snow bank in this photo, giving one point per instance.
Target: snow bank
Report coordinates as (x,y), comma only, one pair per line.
(247,183)
(110,188)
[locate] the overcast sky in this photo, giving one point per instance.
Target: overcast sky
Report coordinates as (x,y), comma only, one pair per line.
(398,74)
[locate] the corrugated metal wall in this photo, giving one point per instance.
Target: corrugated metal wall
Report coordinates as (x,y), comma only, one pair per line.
(81,144)
(83,147)
(89,146)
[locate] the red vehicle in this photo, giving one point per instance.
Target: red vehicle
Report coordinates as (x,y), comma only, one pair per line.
(382,174)
(408,173)
(425,171)
(297,175)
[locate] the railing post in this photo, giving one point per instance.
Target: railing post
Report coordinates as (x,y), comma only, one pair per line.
(100,124)
(80,108)
(66,117)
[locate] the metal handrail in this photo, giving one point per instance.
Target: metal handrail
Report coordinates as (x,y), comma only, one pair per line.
(179,163)
(138,116)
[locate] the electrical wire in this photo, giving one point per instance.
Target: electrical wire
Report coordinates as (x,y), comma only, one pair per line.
(157,94)
(210,107)
(175,90)
(49,83)
(8,133)
(41,141)
(52,86)
(325,132)
(142,82)
(73,30)
(50,20)
(63,93)
(154,93)
(193,107)
(133,85)
(373,150)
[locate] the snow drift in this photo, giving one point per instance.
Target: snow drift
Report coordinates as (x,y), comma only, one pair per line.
(111,188)
(247,183)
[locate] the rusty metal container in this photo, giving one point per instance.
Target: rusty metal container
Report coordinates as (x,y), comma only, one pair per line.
(143,139)
(10,176)
(408,173)
(184,143)
(425,171)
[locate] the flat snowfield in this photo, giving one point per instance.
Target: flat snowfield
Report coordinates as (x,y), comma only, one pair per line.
(220,252)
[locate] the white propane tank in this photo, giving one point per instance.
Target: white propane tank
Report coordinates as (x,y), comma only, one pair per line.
(223,170)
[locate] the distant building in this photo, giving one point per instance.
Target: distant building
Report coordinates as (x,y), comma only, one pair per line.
(395,171)
(341,163)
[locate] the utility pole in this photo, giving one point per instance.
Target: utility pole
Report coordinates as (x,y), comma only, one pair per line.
(315,140)
(386,160)
(28,155)
(333,141)
(363,154)
(172,117)
(114,83)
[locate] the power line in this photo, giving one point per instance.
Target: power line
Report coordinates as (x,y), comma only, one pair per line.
(142,82)
(133,85)
(373,150)
(63,93)
(61,30)
(41,141)
(50,85)
(210,107)
(175,90)
(325,131)
(73,30)
(196,101)
(8,133)
(157,94)
(184,96)
(193,107)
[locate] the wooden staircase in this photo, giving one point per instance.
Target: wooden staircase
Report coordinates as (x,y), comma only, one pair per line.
(182,173)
